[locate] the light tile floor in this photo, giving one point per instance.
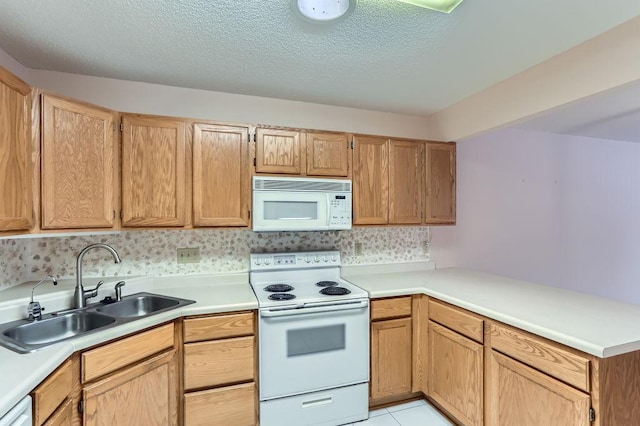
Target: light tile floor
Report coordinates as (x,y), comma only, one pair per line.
(415,413)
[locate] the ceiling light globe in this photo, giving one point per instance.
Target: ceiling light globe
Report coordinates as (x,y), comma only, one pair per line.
(324,10)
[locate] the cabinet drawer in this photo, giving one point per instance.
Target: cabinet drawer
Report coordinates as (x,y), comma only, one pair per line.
(51,392)
(467,324)
(218,362)
(218,327)
(63,416)
(232,405)
(391,308)
(542,355)
(108,358)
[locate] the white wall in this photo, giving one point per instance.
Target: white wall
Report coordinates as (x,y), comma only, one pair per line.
(558,210)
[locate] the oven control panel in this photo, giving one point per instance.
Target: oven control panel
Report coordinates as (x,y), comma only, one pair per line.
(262,261)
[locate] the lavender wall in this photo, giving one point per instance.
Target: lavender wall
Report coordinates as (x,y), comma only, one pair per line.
(552,209)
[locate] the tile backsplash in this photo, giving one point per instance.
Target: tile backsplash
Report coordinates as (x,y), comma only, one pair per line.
(221,251)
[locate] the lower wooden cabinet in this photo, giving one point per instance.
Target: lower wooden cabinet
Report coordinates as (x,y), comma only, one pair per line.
(52,399)
(520,395)
(144,394)
(230,405)
(391,349)
(219,370)
(455,378)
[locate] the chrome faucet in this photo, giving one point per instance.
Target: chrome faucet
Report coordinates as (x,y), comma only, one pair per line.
(81,295)
(34,310)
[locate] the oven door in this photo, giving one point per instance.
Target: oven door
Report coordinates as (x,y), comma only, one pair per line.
(290,211)
(313,348)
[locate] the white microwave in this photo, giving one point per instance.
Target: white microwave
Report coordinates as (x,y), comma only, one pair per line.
(301,204)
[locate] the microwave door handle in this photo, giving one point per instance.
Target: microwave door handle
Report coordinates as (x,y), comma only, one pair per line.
(328,209)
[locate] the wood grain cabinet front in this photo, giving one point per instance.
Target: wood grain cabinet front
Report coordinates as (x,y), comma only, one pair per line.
(16,202)
(78,164)
(327,154)
(405,182)
(370,180)
(391,350)
(440,183)
(153,171)
(220,370)
(54,394)
(278,151)
(221,187)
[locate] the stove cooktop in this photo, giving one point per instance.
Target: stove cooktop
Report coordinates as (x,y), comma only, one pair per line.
(285,279)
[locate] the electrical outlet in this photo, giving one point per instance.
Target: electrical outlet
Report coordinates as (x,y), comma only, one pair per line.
(357,247)
(426,244)
(188,255)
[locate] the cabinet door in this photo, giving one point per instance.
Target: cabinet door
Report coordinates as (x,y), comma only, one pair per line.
(440,189)
(370,180)
(405,181)
(78,154)
(221,188)
(144,394)
(153,171)
(390,358)
(520,395)
(16,203)
(63,416)
(231,405)
(455,377)
(327,154)
(278,151)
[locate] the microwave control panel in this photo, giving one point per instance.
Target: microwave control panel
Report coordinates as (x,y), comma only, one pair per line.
(339,211)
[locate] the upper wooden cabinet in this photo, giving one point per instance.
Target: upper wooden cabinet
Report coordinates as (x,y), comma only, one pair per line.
(295,152)
(370,180)
(405,182)
(78,155)
(221,186)
(278,151)
(327,154)
(440,184)
(16,202)
(153,171)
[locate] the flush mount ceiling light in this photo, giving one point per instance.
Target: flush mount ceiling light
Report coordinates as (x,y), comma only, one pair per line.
(324,10)
(445,6)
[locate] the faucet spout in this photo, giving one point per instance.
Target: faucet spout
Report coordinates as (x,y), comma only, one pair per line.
(81,295)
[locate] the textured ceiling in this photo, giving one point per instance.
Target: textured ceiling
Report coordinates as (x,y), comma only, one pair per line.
(386,56)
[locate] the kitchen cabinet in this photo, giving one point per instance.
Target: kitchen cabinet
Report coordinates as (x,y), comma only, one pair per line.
(391,349)
(370,180)
(456,362)
(524,396)
(296,152)
(221,186)
(405,182)
(278,151)
(78,165)
(219,370)
(16,202)
(440,183)
(132,380)
(53,398)
(153,171)
(327,154)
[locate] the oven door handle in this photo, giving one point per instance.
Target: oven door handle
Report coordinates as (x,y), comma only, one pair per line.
(315,309)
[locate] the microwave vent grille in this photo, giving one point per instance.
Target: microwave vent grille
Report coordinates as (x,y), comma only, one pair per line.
(302,185)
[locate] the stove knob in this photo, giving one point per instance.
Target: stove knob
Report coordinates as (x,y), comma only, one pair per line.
(258,261)
(307,259)
(316,259)
(267,261)
(333,258)
(325,258)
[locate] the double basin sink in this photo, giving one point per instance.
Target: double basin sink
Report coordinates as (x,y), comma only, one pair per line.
(25,336)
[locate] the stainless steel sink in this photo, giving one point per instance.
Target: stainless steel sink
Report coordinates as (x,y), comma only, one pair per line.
(139,305)
(25,336)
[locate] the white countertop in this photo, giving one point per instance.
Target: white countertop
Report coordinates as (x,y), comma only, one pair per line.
(595,325)
(21,373)
(592,324)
